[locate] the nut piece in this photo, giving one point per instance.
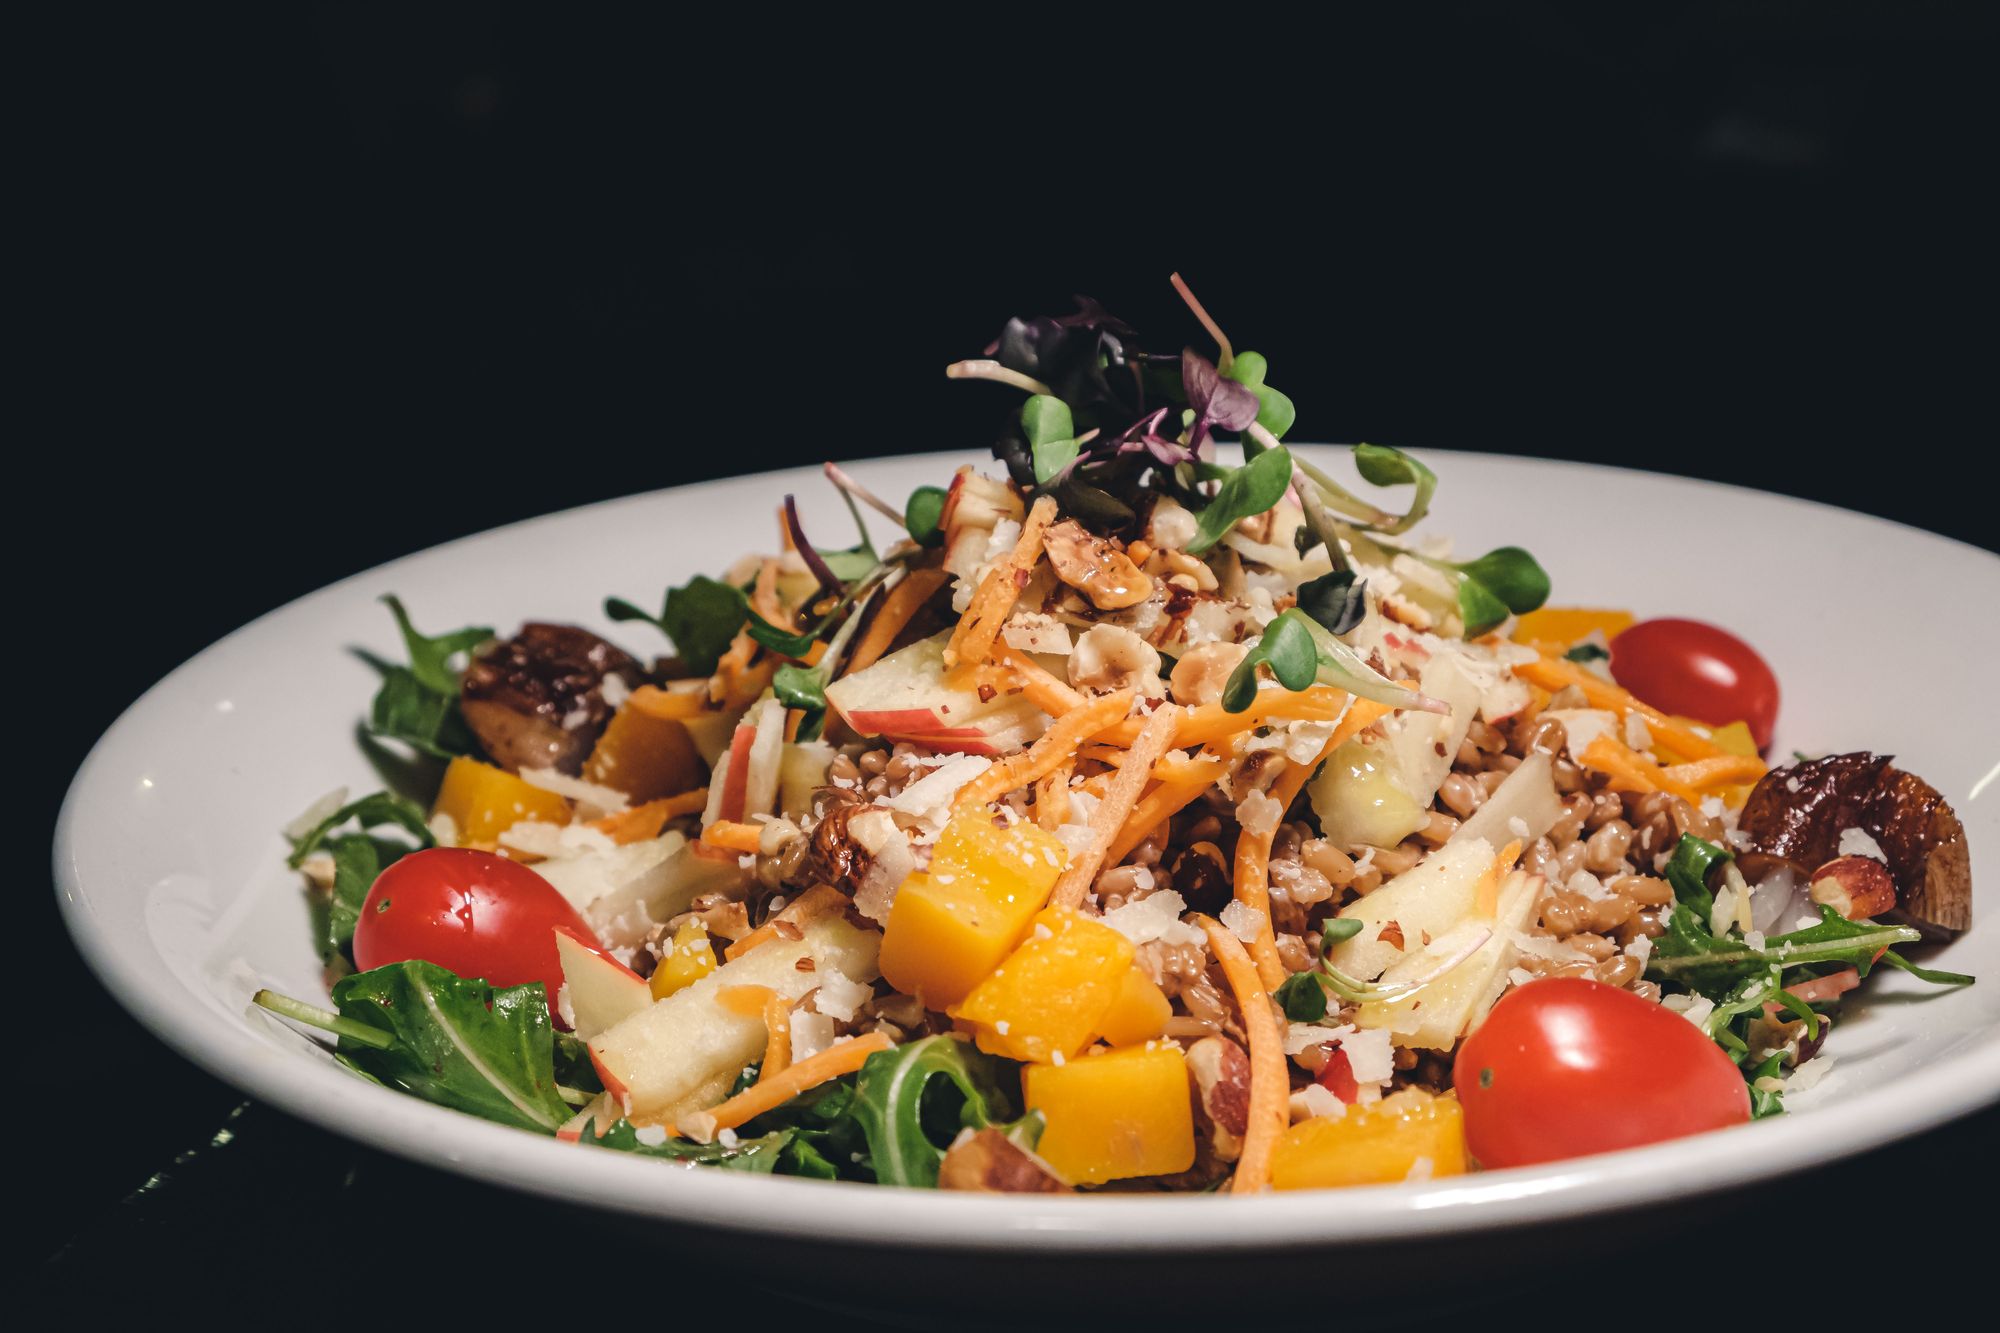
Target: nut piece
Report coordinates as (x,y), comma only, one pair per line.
(1108,658)
(1095,567)
(1857,887)
(1203,670)
(1219,1079)
(986,1160)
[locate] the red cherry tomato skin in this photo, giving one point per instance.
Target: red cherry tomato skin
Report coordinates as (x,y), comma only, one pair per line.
(1568,1067)
(1698,671)
(478,914)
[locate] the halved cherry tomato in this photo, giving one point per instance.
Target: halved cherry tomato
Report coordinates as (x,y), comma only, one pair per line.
(1686,667)
(1568,1066)
(478,914)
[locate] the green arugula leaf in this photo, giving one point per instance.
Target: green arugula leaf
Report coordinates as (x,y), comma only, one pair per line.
(700,618)
(1688,870)
(1302,998)
(1247,491)
(418,704)
(784,642)
(455,1041)
(758,1156)
(1930,974)
(912,1101)
(923,515)
(799,687)
(358,858)
(1765,1104)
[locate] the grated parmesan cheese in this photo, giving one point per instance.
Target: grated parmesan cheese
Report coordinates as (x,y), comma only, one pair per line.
(840,996)
(1243,923)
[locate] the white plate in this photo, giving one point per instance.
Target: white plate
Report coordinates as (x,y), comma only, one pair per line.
(169,861)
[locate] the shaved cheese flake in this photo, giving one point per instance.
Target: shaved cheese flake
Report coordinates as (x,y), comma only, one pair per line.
(591,795)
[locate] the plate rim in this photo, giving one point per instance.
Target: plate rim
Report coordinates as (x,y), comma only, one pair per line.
(379,1118)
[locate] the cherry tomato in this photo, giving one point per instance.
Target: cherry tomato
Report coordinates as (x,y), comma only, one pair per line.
(478,914)
(1568,1066)
(1699,671)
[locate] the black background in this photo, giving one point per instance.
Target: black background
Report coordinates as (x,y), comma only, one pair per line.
(313,290)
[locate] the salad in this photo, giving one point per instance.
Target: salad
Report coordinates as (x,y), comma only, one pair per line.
(1134,820)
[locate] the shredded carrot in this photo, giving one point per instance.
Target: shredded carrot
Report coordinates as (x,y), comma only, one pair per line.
(1115,806)
(979,628)
(1212,722)
(735,837)
(1269,1086)
(767,1094)
(1552,673)
(643,822)
(764,596)
(668,705)
(745,1001)
(1632,771)
(724,683)
(1051,694)
(1052,797)
(822,900)
(1057,746)
(778,1037)
(1176,789)
(1486,897)
(1110,755)
(751,682)
(1722,771)
(899,606)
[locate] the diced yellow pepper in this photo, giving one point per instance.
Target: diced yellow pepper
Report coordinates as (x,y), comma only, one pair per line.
(1562,627)
(1114,1114)
(1051,995)
(1140,1012)
(688,959)
(1408,1132)
(483,802)
(645,756)
(950,928)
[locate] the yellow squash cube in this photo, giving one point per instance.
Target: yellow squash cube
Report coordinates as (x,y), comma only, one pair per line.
(1051,996)
(950,928)
(1140,1012)
(1562,627)
(688,959)
(483,801)
(1115,1114)
(1409,1133)
(645,756)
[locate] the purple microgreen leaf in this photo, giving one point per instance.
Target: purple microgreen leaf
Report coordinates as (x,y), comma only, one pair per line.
(828,580)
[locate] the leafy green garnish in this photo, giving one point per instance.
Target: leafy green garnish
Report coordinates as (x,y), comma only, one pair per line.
(448,1039)
(1337,602)
(1275,412)
(1763,1103)
(1688,870)
(1383,465)
(911,1102)
(700,618)
(1589,652)
(358,857)
(923,515)
(1333,663)
(1247,491)
(760,1155)
(1051,435)
(1302,998)
(418,704)
(1287,648)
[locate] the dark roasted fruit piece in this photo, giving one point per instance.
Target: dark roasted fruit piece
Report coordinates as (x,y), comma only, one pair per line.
(537,700)
(1798,813)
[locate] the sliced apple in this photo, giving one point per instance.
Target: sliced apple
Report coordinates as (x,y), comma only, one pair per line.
(1524,807)
(1428,899)
(905,697)
(1445,1009)
(1381,793)
(800,772)
(973,508)
(598,992)
(654,1061)
(662,888)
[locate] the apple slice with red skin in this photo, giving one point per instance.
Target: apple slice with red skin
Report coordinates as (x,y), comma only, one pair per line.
(906,697)
(602,991)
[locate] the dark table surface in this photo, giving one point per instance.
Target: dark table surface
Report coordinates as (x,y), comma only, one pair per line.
(339,285)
